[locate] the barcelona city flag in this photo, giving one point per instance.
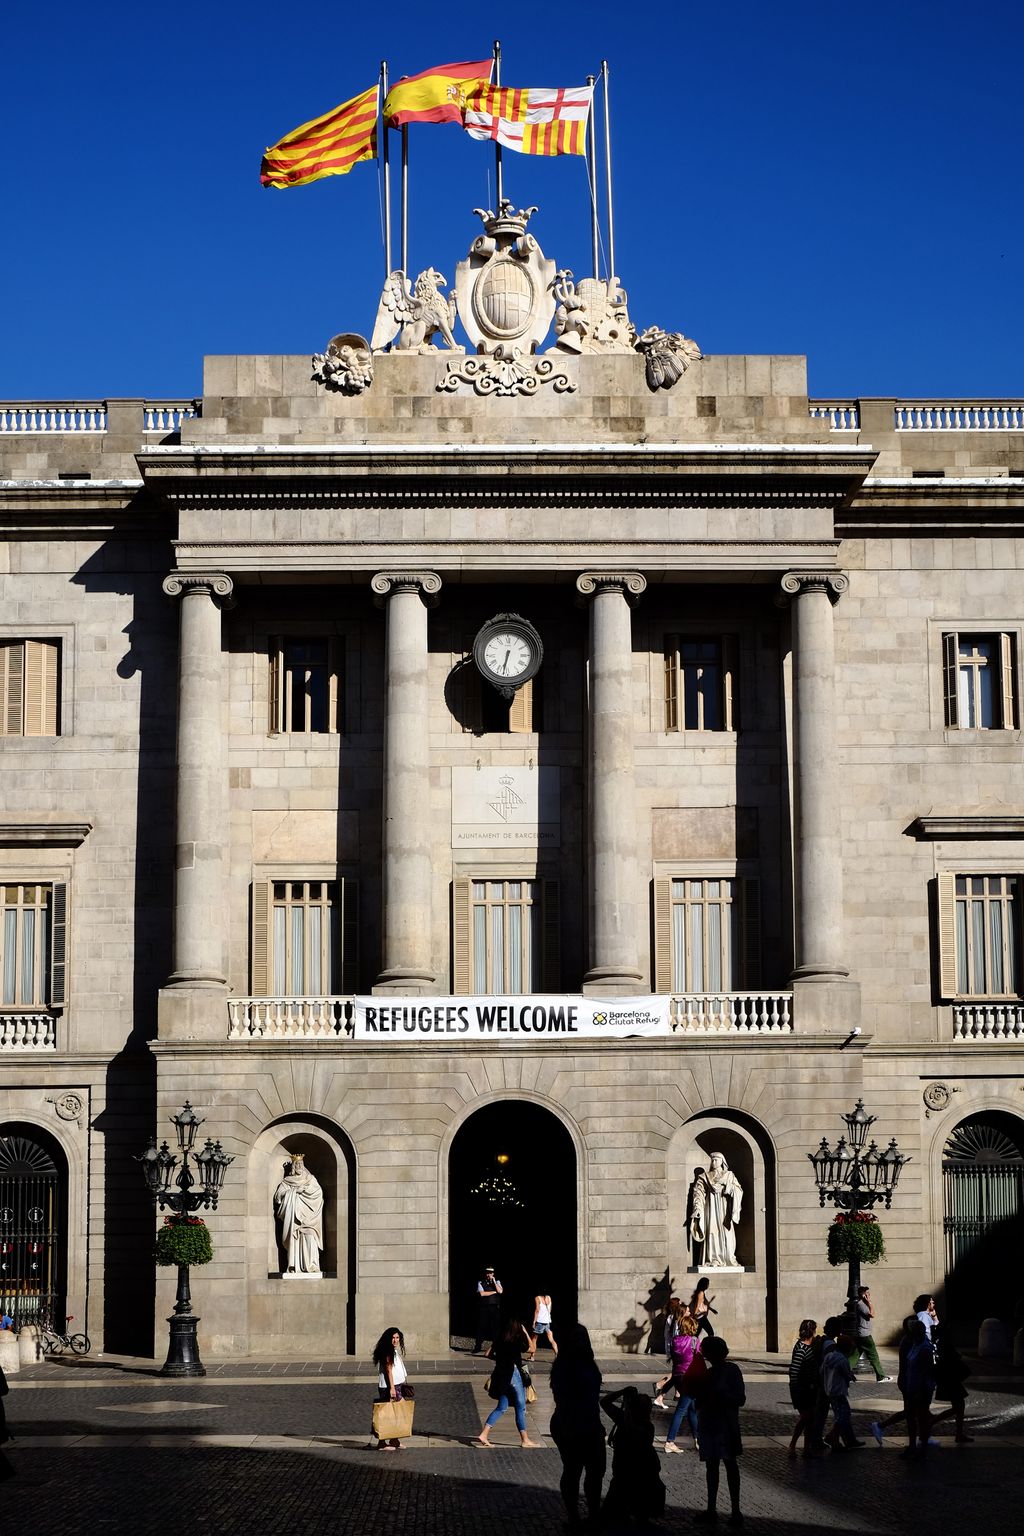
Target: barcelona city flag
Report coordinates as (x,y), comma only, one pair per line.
(437,95)
(534,121)
(328,146)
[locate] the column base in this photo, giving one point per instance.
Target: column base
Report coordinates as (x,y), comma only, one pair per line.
(196,979)
(406,980)
(825,1003)
(192,1013)
(613,981)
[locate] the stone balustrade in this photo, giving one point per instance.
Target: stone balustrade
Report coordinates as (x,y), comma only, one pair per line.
(732,1013)
(28,1032)
(842,415)
(988,1021)
(63,417)
(164,416)
(927,415)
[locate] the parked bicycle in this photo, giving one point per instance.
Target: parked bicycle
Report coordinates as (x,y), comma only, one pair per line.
(56,1340)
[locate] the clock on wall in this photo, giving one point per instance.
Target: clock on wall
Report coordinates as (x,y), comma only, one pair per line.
(507,652)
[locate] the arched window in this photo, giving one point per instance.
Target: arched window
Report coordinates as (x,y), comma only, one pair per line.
(32,1206)
(983,1210)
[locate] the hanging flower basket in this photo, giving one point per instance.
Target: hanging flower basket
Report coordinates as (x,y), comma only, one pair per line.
(183,1240)
(855,1235)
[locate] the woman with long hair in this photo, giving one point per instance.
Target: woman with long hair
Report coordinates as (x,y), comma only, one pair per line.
(507,1383)
(701,1308)
(803,1383)
(576,1426)
(687,1368)
(392,1379)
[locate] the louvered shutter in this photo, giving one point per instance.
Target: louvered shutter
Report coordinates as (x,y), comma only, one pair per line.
(462,941)
(59,945)
(750,931)
(40,687)
(260,958)
(1007,681)
(520,713)
(672,683)
(663,936)
(349,936)
(730,683)
(950,660)
(275,681)
(13,653)
(946,936)
(551,919)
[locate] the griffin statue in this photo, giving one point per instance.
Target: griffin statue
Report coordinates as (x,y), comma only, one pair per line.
(414,314)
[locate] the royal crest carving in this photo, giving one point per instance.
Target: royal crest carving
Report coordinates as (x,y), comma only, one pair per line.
(506,372)
(592,315)
(415,314)
(346,365)
(667,354)
(503,288)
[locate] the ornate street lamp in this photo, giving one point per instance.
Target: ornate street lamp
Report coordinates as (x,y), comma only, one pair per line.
(157,1167)
(856,1178)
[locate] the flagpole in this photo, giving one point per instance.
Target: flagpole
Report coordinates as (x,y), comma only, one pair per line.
(383,131)
(405,198)
(592,175)
(608,174)
(499,190)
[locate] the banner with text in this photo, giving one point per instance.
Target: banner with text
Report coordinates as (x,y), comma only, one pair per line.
(509,1019)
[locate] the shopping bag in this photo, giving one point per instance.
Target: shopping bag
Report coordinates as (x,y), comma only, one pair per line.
(393,1421)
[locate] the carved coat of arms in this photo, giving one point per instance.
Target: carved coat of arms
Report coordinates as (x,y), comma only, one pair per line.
(503,288)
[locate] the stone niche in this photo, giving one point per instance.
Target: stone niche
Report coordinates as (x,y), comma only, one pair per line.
(301,1318)
(746,1298)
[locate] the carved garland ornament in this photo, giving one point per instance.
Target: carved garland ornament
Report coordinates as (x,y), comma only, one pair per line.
(346,365)
(506,372)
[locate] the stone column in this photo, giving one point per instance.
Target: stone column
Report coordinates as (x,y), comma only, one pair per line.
(201,819)
(615,914)
(818,857)
(407,852)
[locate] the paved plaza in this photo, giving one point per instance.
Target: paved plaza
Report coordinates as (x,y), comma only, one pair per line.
(259,1447)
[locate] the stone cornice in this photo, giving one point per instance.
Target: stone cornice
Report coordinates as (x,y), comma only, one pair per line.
(44,832)
(969,825)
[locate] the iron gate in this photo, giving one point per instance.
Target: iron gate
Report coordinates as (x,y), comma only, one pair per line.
(31,1232)
(983,1186)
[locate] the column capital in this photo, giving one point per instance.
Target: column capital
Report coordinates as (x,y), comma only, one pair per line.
(796,583)
(426,583)
(214,583)
(630,583)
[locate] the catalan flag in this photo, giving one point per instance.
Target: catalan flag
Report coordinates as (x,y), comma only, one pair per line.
(537,121)
(328,146)
(437,95)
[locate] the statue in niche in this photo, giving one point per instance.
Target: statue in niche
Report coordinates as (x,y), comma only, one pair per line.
(299,1206)
(716,1203)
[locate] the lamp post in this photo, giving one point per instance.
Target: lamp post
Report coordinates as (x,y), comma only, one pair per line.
(157,1167)
(855,1178)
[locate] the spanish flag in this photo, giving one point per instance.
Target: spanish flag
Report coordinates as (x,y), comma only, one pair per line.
(328,146)
(437,95)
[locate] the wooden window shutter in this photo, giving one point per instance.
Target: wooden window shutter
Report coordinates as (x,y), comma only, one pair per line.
(336,684)
(950,660)
(13,662)
(730,683)
(41,687)
(276,685)
(59,945)
(260,959)
(663,936)
(551,941)
(462,936)
(520,713)
(946,936)
(672,683)
(1007,680)
(750,932)
(349,936)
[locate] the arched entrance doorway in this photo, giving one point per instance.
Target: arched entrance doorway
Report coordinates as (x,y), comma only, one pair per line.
(512,1192)
(983,1216)
(33,1225)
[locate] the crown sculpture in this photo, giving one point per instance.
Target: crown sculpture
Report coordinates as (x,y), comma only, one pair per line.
(507,293)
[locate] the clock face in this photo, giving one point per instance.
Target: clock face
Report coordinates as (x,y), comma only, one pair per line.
(507,654)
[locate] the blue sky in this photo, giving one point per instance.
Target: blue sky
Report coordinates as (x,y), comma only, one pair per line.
(841,181)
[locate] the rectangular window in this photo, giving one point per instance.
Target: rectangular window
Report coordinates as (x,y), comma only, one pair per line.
(25,936)
(980,917)
(980,681)
(707,934)
(700,683)
(304,937)
(304,685)
(30,686)
(506,935)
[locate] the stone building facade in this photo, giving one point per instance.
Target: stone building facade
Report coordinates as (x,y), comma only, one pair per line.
(769,769)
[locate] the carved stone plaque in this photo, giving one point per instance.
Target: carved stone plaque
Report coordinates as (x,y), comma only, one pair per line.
(505,808)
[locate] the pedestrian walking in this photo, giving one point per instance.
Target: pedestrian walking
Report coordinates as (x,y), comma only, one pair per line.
(836,1374)
(674,1312)
(393,1378)
(862,1312)
(822,1406)
(576,1426)
(927,1316)
(802,1382)
(507,1386)
(878,1427)
(701,1309)
(951,1371)
(488,1309)
(687,1368)
(636,1491)
(720,1395)
(918,1388)
(541,1327)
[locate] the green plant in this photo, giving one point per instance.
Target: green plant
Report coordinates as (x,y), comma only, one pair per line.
(855,1235)
(183,1240)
